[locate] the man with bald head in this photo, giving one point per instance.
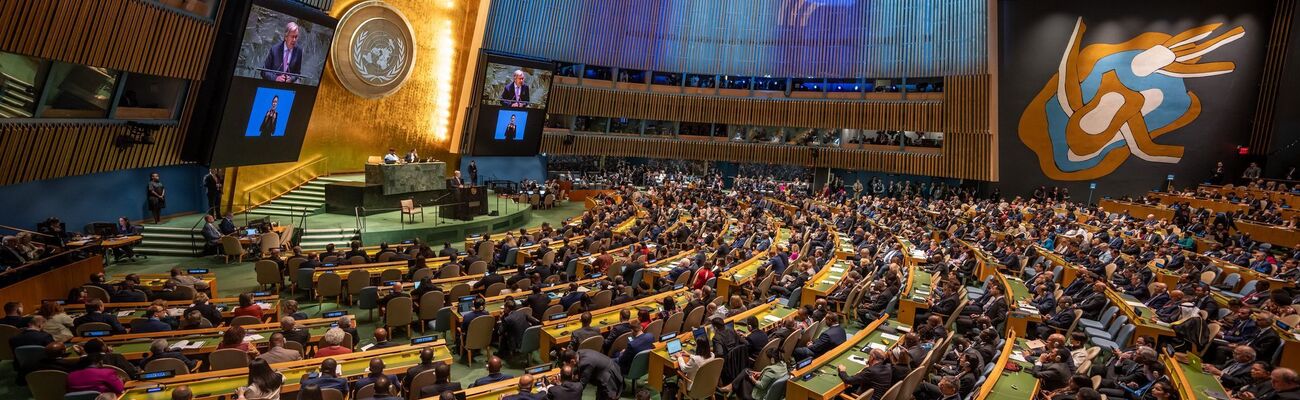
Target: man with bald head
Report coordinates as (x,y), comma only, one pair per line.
(182,392)
(278,353)
(1286,385)
(494,373)
(570,386)
(327,377)
(385,389)
(878,374)
(284,61)
(376,371)
(1159,296)
(525,390)
(55,359)
(381,339)
(426,364)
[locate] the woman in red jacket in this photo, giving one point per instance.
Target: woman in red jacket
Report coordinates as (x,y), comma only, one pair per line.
(248,307)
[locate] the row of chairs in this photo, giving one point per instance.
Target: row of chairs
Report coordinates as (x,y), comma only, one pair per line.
(231,247)
(536,200)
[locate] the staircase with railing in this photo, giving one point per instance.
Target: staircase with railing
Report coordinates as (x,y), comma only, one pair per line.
(289,198)
(16,97)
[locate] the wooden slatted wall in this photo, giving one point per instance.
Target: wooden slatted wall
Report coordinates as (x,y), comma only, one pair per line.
(126,35)
(962,116)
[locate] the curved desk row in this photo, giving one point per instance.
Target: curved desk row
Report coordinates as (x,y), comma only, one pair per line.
(223,383)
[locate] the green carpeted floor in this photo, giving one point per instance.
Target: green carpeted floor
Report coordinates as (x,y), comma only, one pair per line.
(235,278)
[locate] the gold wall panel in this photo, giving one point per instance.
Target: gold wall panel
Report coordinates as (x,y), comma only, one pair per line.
(346,129)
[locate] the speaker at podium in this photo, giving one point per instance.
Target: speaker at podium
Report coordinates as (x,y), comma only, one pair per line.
(470,201)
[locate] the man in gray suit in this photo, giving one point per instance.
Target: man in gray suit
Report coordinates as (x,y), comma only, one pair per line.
(211,235)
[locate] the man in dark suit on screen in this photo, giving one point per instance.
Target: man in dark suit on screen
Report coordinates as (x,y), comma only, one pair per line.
(515,93)
(269,121)
(284,57)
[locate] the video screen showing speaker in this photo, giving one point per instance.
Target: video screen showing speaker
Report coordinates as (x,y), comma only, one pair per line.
(514,86)
(281,47)
(512,109)
(273,86)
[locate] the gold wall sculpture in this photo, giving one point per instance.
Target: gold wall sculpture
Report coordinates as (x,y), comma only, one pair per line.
(346,129)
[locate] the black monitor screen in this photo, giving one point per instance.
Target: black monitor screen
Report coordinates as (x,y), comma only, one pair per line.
(512,107)
(272,89)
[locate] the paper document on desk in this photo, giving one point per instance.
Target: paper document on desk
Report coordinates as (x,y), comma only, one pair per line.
(771,318)
(583,289)
(837,270)
(126,313)
(1035,344)
(265,306)
(1135,304)
(187,345)
(890,337)
(1018,358)
(253,338)
(878,346)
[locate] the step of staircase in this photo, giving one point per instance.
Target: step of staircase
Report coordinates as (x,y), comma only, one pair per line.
(272,212)
(303,196)
(162,251)
(170,240)
(295,202)
(310,231)
(173,237)
(172,244)
(338,178)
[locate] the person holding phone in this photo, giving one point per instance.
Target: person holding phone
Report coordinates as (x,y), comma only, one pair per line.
(752,384)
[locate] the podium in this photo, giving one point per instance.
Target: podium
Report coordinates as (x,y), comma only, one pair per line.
(386,185)
(470,202)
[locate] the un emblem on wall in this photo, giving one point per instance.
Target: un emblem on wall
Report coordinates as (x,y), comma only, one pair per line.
(373,50)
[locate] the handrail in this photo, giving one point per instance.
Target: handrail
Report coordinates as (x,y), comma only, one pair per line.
(196,225)
(24,230)
(278,179)
(31,268)
(299,220)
